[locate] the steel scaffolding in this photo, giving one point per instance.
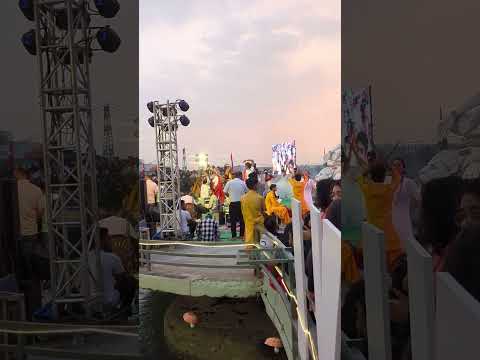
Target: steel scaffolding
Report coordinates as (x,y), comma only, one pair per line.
(168,174)
(107,133)
(63,54)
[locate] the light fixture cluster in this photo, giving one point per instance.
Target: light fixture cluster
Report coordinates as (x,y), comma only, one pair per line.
(170,109)
(106,37)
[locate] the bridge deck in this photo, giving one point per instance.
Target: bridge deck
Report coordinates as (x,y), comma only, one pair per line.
(199,271)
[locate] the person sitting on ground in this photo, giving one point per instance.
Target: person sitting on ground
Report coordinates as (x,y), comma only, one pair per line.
(273,206)
(186,221)
(253,208)
(118,288)
(208,229)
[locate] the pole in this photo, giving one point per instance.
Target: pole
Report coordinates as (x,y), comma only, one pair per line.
(371,114)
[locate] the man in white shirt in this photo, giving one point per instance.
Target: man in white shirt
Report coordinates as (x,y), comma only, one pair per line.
(234,189)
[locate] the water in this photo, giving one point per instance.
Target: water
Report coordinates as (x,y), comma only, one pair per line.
(228,319)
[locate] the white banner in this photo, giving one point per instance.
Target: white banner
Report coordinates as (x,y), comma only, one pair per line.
(357,119)
(284,158)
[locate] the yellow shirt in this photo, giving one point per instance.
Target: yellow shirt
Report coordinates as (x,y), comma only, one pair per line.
(252,208)
(31,205)
(298,190)
(378,202)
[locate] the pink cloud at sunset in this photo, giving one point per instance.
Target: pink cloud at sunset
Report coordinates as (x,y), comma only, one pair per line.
(254,72)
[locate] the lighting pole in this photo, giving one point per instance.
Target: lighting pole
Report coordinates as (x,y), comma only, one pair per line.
(165,121)
(62,42)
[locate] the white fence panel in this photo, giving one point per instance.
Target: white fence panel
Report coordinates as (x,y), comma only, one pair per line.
(328,310)
(376,294)
(300,279)
(422,300)
(457,319)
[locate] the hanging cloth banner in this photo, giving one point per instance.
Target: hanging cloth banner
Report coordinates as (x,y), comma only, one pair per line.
(357,118)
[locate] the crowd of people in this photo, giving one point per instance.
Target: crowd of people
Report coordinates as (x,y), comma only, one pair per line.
(240,201)
(31,272)
(443,215)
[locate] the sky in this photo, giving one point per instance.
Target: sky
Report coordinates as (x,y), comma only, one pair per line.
(418,57)
(255,73)
(111,79)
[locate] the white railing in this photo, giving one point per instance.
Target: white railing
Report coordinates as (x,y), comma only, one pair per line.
(421,300)
(457,318)
(376,294)
(444,317)
(326,256)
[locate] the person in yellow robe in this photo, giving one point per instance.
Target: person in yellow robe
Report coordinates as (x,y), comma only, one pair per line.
(273,206)
(253,207)
(298,190)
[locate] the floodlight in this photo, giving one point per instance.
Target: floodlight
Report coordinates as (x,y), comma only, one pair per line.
(184,120)
(29,42)
(151,121)
(183,105)
(27,9)
(108,39)
(150,106)
(107,8)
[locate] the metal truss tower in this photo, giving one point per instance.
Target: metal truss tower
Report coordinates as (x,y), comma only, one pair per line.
(184,160)
(107,133)
(63,55)
(166,126)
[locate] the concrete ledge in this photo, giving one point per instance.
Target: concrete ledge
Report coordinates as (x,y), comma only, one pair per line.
(201,286)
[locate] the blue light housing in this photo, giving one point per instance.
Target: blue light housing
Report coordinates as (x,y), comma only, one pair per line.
(108,39)
(107,8)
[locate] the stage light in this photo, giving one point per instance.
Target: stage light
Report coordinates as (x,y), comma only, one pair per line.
(150,106)
(183,105)
(29,42)
(27,9)
(151,121)
(108,39)
(184,120)
(107,8)
(61,18)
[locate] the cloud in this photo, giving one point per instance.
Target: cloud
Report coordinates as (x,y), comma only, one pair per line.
(254,72)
